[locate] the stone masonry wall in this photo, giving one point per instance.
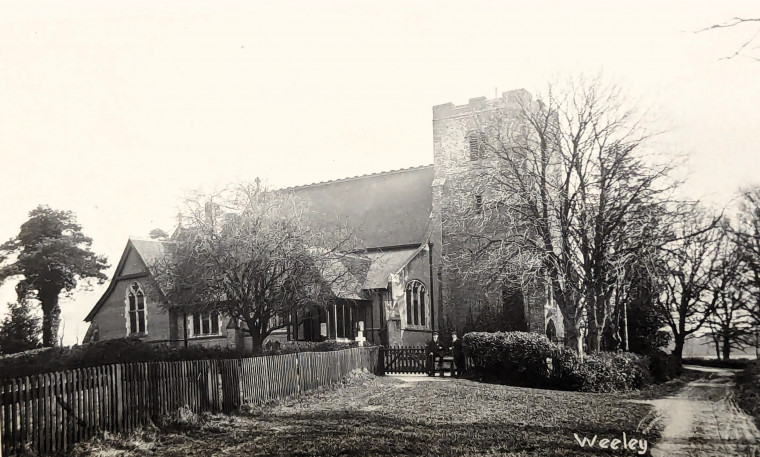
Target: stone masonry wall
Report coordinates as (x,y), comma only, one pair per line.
(458,179)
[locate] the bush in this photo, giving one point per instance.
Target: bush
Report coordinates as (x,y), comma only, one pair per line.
(517,358)
(602,372)
(291,347)
(610,372)
(748,389)
(520,358)
(664,366)
(120,350)
(182,419)
(568,372)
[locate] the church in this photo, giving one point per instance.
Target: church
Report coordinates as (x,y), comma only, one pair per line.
(401,290)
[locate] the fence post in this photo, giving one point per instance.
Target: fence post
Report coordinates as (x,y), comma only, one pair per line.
(298,373)
(2,416)
(381,361)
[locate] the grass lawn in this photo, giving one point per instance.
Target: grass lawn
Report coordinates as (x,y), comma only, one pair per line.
(367,415)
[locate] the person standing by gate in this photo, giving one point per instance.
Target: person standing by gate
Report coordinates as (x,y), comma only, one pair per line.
(433,352)
(458,353)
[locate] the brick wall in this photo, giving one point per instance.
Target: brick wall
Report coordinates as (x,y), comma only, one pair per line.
(111,319)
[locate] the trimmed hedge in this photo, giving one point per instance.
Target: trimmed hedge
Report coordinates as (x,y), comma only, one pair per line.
(748,389)
(120,350)
(290,347)
(717,363)
(129,350)
(516,358)
(614,371)
(531,360)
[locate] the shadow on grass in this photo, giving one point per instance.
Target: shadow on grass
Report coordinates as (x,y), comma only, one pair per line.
(376,433)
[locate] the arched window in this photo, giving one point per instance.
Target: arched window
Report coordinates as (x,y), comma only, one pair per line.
(136,310)
(551,331)
(416,303)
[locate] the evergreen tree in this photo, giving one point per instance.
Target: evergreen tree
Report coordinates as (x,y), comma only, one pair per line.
(51,253)
(20,330)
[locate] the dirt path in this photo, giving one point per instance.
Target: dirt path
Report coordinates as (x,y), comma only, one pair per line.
(702,420)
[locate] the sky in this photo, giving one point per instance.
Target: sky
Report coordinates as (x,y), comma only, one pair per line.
(116,110)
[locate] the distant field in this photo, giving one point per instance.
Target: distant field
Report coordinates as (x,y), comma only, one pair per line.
(704,347)
(386,416)
(714,357)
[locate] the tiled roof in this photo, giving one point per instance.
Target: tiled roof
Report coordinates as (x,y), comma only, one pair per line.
(388,209)
(149,251)
(382,209)
(345,274)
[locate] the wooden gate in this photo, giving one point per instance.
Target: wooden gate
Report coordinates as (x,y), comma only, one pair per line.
(404,359)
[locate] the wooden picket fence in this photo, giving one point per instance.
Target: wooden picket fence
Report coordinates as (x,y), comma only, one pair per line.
(51,412)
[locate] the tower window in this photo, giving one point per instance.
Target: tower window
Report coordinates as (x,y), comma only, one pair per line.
(479,204)
(477,146)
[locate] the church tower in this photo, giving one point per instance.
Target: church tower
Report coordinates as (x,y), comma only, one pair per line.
(463,198)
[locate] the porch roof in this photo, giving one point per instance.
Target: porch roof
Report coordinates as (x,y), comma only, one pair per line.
(385,263)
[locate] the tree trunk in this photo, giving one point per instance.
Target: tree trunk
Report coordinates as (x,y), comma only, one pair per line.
(716,340)
(51,318)
(678,350)
(595,328)
(595,336)
(625,326)
(572,338)
(594,340)
(567,307)
(257,342)
(256,346)
(726,347)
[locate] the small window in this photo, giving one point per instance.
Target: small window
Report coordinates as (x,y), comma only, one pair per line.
(477,143)
(136,319)
(479,204)
(205,324)
(276,321)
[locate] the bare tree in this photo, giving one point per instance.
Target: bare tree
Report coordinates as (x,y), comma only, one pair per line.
(730,322)
(748,47)
(568,188)
(690,275)
(744,233)
(247,253)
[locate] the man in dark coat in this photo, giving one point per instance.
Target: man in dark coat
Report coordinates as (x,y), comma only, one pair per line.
(458,353)
(433,352)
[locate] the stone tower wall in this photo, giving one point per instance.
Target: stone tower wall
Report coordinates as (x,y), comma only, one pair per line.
(457,182)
